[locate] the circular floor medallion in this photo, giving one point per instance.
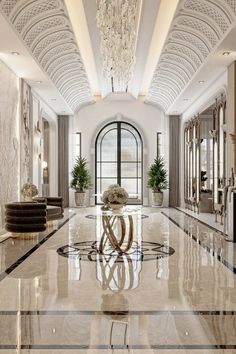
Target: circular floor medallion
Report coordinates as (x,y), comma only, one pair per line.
(144,251)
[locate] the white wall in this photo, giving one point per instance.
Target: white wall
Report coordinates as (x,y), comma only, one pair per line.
(146,118)
(202,103)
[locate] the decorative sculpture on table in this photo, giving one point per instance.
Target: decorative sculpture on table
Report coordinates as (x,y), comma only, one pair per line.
(28,191)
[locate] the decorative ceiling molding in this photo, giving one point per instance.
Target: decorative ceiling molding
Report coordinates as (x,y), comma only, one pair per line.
(197,29)
(45,29)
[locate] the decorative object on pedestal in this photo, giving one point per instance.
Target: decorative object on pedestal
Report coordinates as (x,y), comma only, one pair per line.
(115,197)
(157,180)
(28,191)
(81,180)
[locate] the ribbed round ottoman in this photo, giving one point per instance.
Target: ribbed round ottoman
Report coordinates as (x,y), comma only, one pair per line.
(25,217)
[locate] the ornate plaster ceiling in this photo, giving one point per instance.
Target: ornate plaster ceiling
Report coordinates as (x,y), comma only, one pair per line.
(46,35)
(197,29)
(45,29)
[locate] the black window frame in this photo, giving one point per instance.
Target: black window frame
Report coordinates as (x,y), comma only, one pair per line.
(131,201)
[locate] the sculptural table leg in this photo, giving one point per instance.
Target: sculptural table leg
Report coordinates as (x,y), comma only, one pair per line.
(108,227)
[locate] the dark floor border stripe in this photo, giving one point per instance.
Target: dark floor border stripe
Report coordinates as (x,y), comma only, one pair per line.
(32,250)
(208,249)
(202,222)
(135,346)
(8,238)
(131,313)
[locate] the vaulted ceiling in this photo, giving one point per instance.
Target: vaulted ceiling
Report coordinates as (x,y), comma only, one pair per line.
(174,44)
(197,28)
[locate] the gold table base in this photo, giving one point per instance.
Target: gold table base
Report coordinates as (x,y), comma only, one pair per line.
(108,222)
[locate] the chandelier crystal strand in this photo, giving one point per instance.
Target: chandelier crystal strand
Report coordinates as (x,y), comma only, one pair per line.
(117,23)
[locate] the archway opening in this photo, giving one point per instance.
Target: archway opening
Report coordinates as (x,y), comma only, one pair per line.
(119,159)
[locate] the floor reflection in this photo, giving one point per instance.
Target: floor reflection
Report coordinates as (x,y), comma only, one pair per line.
(118,276)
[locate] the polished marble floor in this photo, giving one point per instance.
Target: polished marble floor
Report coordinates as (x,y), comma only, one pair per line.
(208,218)
(173,292)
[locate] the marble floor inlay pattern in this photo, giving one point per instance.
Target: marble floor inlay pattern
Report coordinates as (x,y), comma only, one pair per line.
(181,303)
(88,250)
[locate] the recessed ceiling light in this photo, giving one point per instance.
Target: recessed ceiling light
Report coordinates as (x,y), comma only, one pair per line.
(226,53)
(38,82)
(201,81)
(15,53)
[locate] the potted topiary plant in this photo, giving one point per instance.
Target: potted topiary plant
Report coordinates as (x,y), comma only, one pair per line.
(81,180)
(157,180)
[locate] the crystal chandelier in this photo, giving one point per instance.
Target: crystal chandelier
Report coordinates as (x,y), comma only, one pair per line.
(117,21)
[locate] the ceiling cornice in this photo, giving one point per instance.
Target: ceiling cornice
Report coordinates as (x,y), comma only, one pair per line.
(45,29)
(196,31)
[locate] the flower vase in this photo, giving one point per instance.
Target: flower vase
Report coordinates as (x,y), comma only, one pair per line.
(28,199)
(116,207)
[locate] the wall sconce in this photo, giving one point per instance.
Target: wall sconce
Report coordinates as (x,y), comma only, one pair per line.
(44,164)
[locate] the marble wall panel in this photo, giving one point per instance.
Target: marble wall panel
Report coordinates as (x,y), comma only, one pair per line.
(9,140)
(25,134)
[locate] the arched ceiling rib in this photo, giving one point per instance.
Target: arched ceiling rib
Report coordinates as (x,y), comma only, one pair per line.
(45,29)
(198,27)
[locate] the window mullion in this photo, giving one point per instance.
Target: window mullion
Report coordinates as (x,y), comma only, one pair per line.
(119,153)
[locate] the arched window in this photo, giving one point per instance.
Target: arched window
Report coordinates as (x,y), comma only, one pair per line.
(119,152)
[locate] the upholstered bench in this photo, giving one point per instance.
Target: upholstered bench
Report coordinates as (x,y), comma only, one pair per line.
(25,217)
(54,207)
(53,213)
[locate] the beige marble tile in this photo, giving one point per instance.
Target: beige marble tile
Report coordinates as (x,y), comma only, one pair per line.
(95,330)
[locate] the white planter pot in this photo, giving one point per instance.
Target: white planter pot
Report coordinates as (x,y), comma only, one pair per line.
(80,199)
(157,198)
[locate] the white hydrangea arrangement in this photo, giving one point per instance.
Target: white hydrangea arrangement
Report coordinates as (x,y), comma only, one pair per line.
(29,190)
(115,195)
